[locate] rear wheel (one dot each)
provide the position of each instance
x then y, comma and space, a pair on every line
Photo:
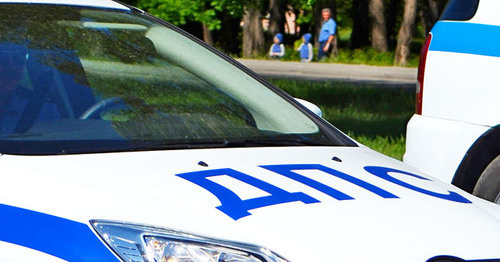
488, 185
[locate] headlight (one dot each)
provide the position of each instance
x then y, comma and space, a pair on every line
140, 243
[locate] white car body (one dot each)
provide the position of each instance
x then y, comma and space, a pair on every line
282, 203
454, 136
414, 226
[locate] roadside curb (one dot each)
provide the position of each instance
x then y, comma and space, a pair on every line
359, 75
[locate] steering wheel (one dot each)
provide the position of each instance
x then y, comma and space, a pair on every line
103, 105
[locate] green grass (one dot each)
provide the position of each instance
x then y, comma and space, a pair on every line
365, 56
376, 117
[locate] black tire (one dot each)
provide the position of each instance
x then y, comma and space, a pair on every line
488, 185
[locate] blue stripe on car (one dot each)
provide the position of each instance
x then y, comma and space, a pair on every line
465, 37
59, 237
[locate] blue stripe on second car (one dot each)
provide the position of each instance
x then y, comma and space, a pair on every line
465, 37
59, 237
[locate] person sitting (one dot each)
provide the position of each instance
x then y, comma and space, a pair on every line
306, 49
277, 49
14, 98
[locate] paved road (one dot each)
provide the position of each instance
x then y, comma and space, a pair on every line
400, 77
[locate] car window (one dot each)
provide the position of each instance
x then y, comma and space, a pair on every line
460, 10
98, 80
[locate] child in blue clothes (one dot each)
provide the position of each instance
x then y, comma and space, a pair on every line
277, 50
306, 49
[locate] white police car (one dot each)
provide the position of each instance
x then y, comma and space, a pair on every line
455, 133
125, 139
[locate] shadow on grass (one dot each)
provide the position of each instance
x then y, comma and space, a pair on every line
372, 128
374, 116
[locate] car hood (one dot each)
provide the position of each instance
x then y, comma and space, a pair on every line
304, 203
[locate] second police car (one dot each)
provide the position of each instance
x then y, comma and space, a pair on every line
126, 139
455, 133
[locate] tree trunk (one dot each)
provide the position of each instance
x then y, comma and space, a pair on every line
207, 34
429, 14
405, 33
230, 34
394, 13
434, 9
379, 29
276, 21
360, 29
253, 35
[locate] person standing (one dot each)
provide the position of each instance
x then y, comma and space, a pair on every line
327, 33
290, 23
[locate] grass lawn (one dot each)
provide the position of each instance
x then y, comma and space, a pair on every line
376, 117
366, 56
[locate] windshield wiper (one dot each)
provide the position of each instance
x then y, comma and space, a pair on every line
222, 143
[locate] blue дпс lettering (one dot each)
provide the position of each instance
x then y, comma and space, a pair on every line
236, 208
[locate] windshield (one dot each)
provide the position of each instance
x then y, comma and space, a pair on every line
79, 80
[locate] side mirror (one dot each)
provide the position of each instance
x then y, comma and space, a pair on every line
312, 107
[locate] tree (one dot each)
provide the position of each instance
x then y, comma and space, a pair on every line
179, 12
360, 27
305, 20
379, 29
393, 14
429, 13
253, 35
207, 34
405, 33
276, 21
130, 2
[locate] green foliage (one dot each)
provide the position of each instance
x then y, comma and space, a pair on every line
391, 146
343, 14
179, 12
365, 56
376, 117
369, 56
211, 12
344, 35
306, 15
